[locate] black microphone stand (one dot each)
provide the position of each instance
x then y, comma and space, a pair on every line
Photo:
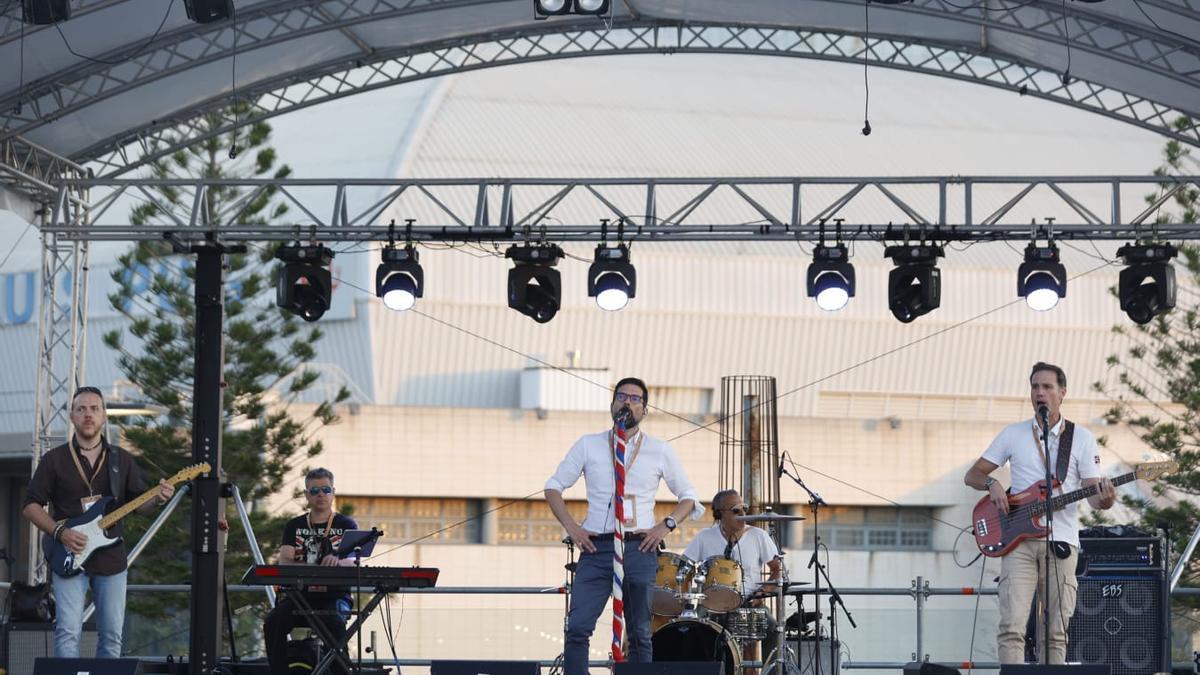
375, 534
1044, 415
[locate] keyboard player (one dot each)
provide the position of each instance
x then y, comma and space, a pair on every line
310, 539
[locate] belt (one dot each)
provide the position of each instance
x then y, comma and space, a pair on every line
629, 536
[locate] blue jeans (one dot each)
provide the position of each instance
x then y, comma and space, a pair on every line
590, 594
70, 595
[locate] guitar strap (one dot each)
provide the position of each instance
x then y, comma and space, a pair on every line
1064, 450
115, 485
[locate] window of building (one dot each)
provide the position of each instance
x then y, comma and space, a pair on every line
405, 518
874, 528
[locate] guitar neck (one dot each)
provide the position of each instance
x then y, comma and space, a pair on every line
128, 508
1083, 493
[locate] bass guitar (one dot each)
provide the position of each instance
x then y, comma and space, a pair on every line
996, 533
94, 522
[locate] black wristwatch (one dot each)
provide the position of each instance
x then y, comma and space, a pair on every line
670, 523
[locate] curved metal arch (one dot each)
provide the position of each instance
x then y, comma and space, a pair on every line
116, 156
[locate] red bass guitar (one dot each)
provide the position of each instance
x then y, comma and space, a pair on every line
996, 534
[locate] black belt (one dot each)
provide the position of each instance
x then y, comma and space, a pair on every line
631, 536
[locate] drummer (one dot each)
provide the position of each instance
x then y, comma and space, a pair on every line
751, 546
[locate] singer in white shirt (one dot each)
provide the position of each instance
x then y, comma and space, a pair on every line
1021, 573
648, 461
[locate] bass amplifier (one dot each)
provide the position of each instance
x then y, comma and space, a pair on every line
1121, 620
1119, 553
817, 658
21, 644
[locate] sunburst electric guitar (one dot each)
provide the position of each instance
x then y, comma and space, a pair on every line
94, 522
996, 534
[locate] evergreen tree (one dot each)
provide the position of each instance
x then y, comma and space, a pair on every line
263, 439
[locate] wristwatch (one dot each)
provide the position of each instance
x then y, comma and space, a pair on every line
670, 523
987, 484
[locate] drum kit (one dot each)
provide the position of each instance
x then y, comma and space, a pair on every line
700, 614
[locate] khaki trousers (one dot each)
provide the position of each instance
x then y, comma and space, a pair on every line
1021, 578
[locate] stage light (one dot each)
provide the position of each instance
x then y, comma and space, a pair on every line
45, 12
1146, 286
547, 8
915, 284
591, 6
399, 280
534, 286
304, 284
612, 280
208, 11
830, 277
1041, 279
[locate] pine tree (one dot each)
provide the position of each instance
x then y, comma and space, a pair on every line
263, 440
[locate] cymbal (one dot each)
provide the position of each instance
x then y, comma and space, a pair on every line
768, 517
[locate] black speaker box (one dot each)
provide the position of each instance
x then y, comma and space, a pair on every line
1121, 621
806, 657
49, 666
1037, 669
671, 668
208, 11
919, 668
484, 668
21, 644
45, 12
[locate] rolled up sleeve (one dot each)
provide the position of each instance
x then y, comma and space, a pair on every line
677, 480
569, 470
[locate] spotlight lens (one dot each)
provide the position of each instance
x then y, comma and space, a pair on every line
1144, 305
551, 6
1041, 292
399, 292
613, 292
590, 5
832, 292
308, 301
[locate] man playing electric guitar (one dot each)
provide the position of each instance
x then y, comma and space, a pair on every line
70, 478
1021, 571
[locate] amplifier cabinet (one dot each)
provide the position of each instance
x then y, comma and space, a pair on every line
1121, 620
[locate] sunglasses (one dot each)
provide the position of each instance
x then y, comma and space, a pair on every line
739, 510
316, 490
628, 398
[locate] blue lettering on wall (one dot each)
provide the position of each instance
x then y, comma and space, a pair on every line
12, 313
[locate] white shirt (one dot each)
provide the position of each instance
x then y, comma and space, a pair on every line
591, 457
753, 551
1016, 445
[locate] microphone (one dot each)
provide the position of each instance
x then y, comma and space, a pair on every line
781, 469
1043, 412
623, 416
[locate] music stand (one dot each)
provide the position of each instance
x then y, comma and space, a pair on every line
363, 540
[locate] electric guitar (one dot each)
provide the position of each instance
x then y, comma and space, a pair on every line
996, 534
94, 522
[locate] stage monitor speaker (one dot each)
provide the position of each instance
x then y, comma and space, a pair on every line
1121, 621
671, 668
920, 668
51, 666
45, 12
1038, 669
24, 643
806, 660
484, 668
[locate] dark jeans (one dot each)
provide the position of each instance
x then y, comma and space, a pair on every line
590, 594
281, 620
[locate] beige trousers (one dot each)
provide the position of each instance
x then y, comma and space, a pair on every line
1021, 578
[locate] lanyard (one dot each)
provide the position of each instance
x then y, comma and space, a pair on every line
82, 474
328, 525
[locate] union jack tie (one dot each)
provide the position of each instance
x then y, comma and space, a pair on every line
618, 606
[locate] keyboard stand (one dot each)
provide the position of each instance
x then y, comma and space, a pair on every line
334, 647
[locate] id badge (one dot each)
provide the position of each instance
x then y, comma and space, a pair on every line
630, 520
86, 502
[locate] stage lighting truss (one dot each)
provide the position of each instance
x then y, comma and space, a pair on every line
1041, 279
304, 285
830, 277
1146, 286
612, 280
543, 9
534, 286
399, 279
915, 284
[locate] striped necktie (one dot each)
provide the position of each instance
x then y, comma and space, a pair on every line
618, 605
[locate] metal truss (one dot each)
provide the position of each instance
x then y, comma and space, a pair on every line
33, 170
949, 208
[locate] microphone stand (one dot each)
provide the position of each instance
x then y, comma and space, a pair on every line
1044, 415
375, 534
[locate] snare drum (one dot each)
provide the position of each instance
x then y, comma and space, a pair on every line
697, 640
722, 584
664, 598
748, 623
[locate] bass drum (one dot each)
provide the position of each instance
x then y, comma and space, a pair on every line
697, 640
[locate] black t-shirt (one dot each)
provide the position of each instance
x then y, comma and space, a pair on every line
312, 542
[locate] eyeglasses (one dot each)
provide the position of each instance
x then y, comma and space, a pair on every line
628, 398
318, 489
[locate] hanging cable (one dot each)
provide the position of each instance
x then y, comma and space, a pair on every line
866, 130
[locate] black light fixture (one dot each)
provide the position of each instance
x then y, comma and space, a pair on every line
830, 277
534, 286
915, 284
45, 12
208, 11
304, 285
399, 279
543, 9
612, 280
1146, 286
1041, 279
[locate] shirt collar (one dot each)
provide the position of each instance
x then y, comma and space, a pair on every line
1054, 430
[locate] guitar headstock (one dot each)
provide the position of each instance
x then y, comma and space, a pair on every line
187, 473
1152, 470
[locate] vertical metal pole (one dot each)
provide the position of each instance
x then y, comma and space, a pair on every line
208, 558
918, 587
749, 476
254, 550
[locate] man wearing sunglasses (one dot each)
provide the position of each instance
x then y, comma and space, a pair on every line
70, 478
648, 462
310, 539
